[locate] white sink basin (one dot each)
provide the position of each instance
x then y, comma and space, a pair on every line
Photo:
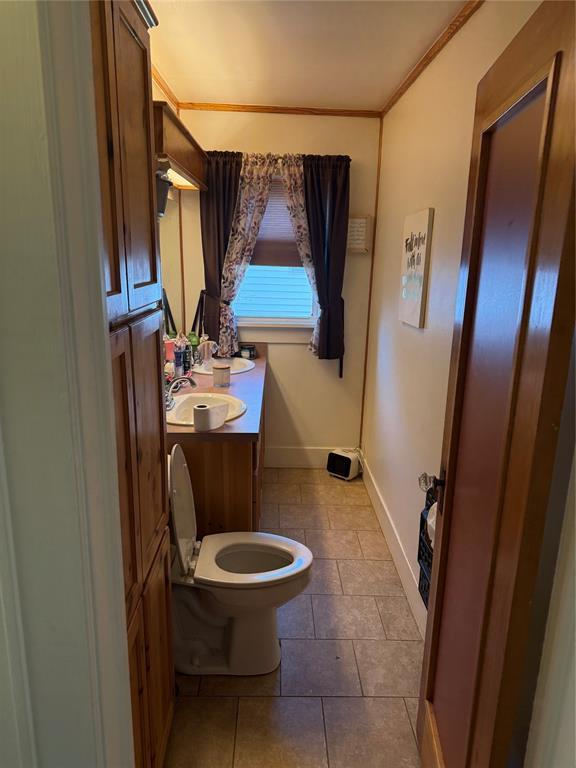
183, 412
237, 365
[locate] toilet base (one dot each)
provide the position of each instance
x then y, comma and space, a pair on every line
214, 645
254, 646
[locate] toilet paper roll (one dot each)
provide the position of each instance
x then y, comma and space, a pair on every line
431, 523
207, 417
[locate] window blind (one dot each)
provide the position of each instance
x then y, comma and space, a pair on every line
275, 245
269, 291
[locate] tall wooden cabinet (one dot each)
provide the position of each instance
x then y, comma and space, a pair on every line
123, 94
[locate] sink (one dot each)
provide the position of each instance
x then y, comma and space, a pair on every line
183, 412
237, 365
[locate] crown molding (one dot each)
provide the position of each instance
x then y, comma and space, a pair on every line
463, 15
276, 110
455, 25
164, 87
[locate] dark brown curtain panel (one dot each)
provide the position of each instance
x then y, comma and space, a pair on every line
327, 193
217, 204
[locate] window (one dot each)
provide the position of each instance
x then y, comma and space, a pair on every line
275, 286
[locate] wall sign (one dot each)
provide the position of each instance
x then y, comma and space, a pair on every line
415, 259
359, 234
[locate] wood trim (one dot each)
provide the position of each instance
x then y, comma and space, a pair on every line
371, 280
165, 88
430, 750
463, 15
277, 110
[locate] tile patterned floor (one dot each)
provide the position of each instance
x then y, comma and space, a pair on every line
346, 691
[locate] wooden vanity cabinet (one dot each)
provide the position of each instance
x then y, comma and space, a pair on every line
158, 635
139, 688
123, 101
123, 94
147, 362
137, 157
126, 451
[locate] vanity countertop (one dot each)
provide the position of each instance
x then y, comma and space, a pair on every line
249, 387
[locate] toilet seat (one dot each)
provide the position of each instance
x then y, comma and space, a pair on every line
209, 572
255, 560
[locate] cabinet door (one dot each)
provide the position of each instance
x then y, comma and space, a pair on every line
127, 468
158, 634
147, 365
138, 689
134, 99
113, 254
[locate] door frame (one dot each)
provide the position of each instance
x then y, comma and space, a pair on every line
63, 650
505, 643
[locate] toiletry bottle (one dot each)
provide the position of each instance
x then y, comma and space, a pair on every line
187, 359
178, 361
194, 341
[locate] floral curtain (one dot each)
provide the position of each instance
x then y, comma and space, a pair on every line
255, 177
292, 172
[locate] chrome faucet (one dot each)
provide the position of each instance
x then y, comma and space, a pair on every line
174, 386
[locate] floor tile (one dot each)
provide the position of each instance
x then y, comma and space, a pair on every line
280, 733
202, 733
187, 685
356, 494
269, 517
319, 668
325, 578
236, 685
290, 533
353, 518
397, 618
334, 544
281, 493
369, 577
412, 707
295, 618
270, 475
374, 545
346, 617
302, 517
304, 476
389, 667
323, 494
372, 733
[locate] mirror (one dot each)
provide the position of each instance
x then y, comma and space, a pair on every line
181, 256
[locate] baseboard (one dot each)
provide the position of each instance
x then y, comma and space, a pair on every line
296, 456
401, 560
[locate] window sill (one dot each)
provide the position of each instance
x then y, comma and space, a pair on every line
275, 330
276, 322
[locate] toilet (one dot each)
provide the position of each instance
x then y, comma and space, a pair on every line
226, 589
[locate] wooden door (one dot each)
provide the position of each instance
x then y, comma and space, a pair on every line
514, 326
147, 365
127, 466
138, 689
158, 633
134, 100
113, 255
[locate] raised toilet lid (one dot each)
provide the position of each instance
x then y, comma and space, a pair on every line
182, 505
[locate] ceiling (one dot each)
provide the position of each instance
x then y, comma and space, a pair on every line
330, 54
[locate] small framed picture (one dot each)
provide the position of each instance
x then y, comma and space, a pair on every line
415, 261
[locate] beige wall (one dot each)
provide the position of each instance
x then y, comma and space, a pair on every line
309, 409
551, 739
425, 156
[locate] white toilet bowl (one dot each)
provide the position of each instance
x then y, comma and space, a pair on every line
226, 589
